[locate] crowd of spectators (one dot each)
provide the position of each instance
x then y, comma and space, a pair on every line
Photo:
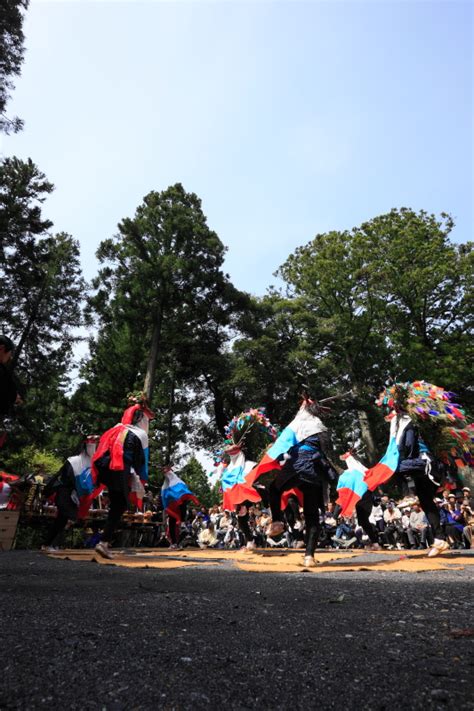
400, 525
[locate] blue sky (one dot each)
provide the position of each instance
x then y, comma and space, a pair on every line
286, 118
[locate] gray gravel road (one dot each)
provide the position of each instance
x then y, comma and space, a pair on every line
85, 636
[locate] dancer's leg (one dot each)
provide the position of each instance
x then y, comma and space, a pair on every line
58, 527
285, 480
363, 511
426, 491
172, 528
118, 506
312, 505
243, 522
67, 511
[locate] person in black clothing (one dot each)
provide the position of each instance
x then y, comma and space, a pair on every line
363, 510
9, 389
174, 527
308, 469
117, 483
120, 464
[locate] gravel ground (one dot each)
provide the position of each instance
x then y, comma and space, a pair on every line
86, 636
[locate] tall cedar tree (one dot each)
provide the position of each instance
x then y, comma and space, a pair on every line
40, 300
11, 56
163, 308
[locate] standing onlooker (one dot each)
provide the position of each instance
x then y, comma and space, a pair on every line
9, 394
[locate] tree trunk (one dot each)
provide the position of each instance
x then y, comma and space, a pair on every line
169, 427
153, 355
220, 416
29, 324
365, 428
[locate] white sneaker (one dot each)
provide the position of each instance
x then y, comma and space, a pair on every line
49, 549
103, 549
309, 562
439, 546
251, 546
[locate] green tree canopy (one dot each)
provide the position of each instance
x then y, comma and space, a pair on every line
40, 299
391, 298
11, 56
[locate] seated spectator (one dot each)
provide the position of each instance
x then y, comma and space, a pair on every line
262, 522
207, 538
377, 514
265, 519
443, 512
467, 499
455, 523
214, 514
204, 514
199, 523
344, 533
330, 522
445, 495
225, 523
405, 525
393, 526
418, 530
232, 538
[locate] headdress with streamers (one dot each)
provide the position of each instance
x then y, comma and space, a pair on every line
250, 431
136, 401
441, 421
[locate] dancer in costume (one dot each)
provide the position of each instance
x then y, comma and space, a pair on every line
67, 486
247, 436
364, 505
120, 464
425, 426
298, 456
175, 496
